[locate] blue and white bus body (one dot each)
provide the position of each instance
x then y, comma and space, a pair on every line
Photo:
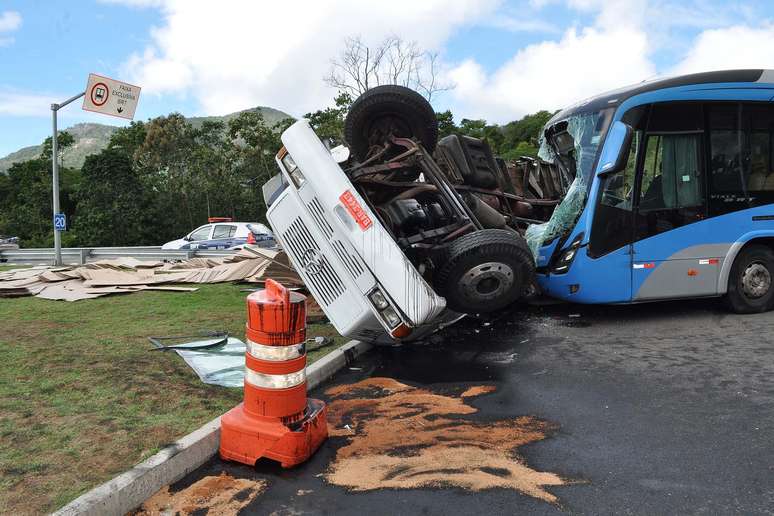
690, 261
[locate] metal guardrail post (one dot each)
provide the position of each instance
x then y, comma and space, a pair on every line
84, 256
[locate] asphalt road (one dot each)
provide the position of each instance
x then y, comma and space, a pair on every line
660, 408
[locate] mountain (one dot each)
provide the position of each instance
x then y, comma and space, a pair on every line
271, 115
91, 138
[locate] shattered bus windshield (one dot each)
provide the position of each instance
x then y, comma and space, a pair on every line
571, 144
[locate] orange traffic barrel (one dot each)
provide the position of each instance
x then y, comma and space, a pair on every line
276, 420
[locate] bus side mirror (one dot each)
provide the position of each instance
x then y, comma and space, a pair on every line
615, 154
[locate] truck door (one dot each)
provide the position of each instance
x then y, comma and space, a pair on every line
671, 255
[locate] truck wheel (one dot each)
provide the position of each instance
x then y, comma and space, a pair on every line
485, 271
389, 110
750, 280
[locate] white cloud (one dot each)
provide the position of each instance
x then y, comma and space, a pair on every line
14, 103
233, 55
730, 48
617, 49
10, 21
553, 74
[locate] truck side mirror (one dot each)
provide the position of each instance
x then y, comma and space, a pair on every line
615, 153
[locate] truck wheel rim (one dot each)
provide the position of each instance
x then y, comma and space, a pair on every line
487, 281
756, 280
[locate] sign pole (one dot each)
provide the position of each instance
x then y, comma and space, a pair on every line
102, 95
55, 176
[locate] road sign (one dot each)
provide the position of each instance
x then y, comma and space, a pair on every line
110, 97
60, 222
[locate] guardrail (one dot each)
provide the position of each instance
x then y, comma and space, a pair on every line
81, 255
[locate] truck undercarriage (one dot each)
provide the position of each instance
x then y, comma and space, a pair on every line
456, 211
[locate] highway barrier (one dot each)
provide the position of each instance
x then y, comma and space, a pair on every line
81, 255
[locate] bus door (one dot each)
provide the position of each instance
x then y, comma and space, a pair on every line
612, 227
670, 257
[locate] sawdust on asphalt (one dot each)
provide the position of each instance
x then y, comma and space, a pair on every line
405, 437
221, 494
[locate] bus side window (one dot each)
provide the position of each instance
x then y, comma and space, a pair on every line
672, 186
729, 177
741, 164
671, 177
759, 119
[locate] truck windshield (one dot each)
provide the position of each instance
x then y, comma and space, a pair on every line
572, 144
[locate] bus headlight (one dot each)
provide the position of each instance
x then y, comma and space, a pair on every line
562, 265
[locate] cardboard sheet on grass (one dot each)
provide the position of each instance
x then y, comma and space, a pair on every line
125, 275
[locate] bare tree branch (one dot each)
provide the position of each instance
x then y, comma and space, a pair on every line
360, 67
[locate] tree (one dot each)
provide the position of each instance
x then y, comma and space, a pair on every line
164, 157
209, 170
114, 206
254, 146
64, 141
328, 123
446, 124
527, 129
474, 128
128, 139
26, 203
360, 67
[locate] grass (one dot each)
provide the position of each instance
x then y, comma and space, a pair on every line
10, 267
83, 398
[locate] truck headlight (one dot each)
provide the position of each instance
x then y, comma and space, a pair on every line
378, 299
387, 313
293, 171
391, 317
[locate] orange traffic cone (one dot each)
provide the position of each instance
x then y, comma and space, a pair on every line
276, 420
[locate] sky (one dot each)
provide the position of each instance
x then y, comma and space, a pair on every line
505, 58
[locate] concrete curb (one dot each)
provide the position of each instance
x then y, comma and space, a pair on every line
131, 488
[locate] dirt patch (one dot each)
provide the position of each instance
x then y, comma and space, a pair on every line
222, 494
406, 437
478, 390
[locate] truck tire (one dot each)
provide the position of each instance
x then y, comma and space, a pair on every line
485, 271
386, 110
750, 282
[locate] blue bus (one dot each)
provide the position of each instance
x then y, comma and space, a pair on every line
673, 195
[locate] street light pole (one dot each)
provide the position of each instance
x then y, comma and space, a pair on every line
55, 176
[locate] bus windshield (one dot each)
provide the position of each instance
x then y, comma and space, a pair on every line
572, 144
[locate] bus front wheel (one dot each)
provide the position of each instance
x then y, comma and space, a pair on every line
751, 280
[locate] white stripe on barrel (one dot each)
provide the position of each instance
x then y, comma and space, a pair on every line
275, 353
275, 381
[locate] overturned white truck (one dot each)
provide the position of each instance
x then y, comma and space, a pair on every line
398, 234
